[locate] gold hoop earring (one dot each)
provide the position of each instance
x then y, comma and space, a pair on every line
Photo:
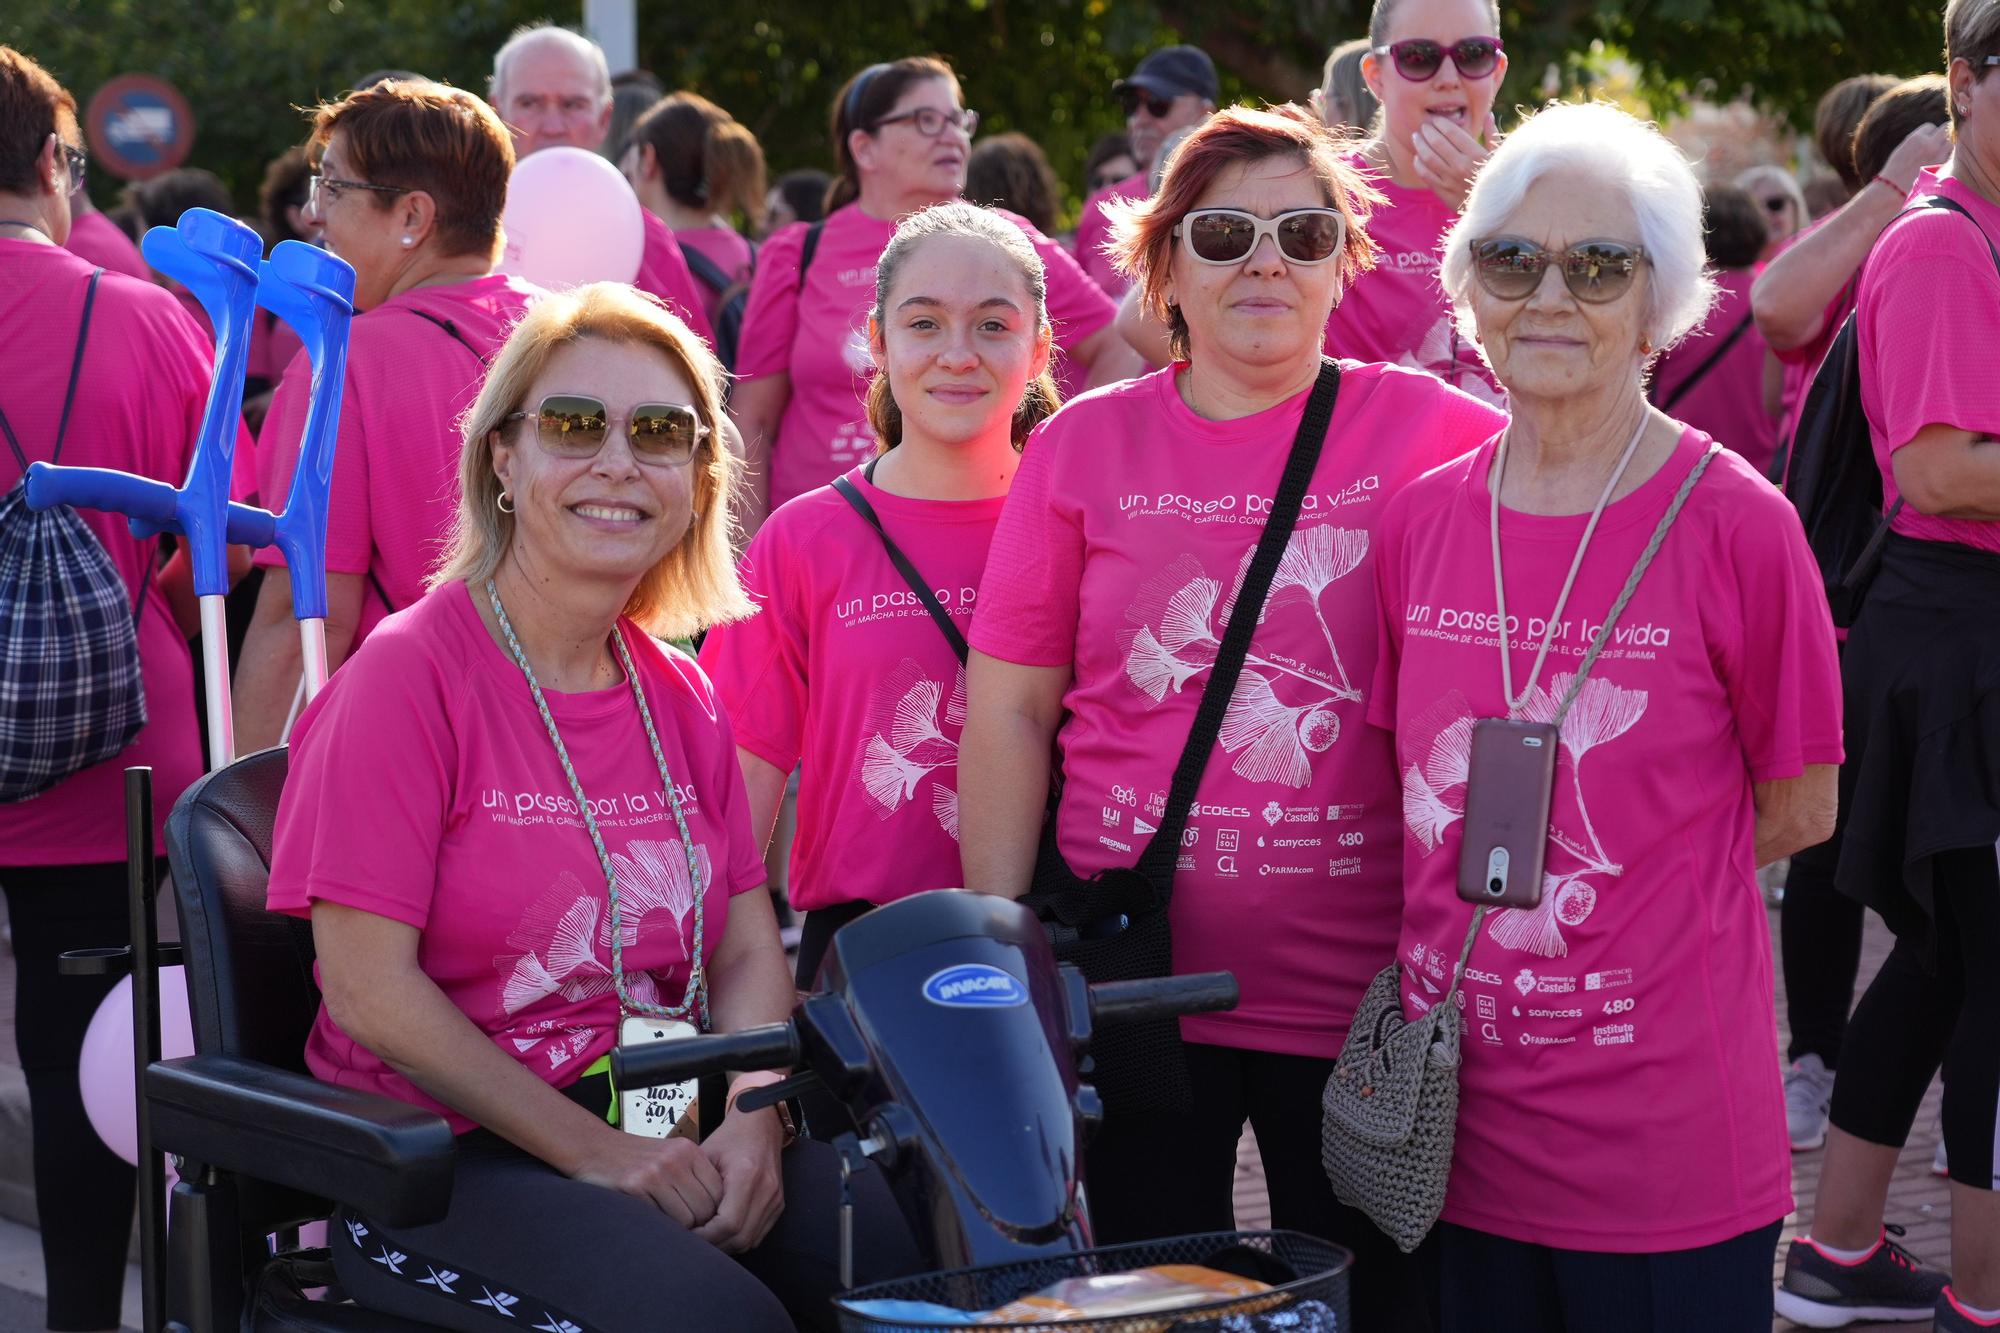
504, 503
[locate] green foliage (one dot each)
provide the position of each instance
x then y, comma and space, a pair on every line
1041, 66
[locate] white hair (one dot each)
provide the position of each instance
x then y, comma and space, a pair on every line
535, 34
1616, 150
1755, 179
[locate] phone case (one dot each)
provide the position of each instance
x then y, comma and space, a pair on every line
1509, 787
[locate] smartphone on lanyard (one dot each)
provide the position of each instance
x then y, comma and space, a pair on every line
654, 1112
1510, 787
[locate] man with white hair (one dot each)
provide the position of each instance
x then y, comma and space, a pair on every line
552, 87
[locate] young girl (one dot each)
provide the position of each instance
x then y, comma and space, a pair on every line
848, 666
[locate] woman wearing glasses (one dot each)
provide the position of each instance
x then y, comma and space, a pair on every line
558, 860
410, 183
903, 138
1435, 67
1621, 1158
845, 665
1110, 583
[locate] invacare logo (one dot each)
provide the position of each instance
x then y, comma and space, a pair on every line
975, 986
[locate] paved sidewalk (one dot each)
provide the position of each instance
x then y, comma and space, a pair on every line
1918, 1200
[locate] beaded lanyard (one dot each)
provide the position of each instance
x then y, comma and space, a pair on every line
695, 1001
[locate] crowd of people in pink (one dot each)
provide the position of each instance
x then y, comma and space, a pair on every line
874, 538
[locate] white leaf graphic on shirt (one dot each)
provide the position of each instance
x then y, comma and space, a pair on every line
564, 939
912, 738
1433, 800
1173, 634
1314, 560
1269, 738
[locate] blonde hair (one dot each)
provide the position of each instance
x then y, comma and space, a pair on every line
694, 585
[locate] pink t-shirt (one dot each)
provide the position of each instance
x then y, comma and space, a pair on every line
1930, 293
1620, 1086
1397, 312
1093, 232
727, 250
819, 337
272, 347
1127, 529
1802, 363
1727, 402
663, 271
97, 240
429, 742
844, 669
138, 408
395, 471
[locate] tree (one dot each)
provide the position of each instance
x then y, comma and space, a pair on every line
1041, 66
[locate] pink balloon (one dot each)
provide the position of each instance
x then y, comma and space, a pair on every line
104, 1070
571, 219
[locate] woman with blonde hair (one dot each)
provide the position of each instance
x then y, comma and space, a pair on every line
559, 861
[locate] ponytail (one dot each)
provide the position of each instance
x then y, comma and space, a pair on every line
732, 171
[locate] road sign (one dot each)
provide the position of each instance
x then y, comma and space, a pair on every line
139, 126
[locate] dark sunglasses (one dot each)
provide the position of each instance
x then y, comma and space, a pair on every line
79, 166
574, 425
1229, 235
1511, 267
1777, 204
1156, 106
1420, 58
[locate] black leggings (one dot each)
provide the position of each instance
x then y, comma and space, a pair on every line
525, 1247
83, 1191
1489, 1284
1819, 932
1913, 1020
1152, 1177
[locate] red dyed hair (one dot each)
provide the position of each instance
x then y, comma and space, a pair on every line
32, 107
1143, 230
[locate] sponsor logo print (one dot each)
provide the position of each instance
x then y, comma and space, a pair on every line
1222, 811
1620, 976
1185, 861
975, 986
1490, 1034
1112, 816
1525, 983
1613, 1034
1225, 866
1273, 813
1555, 1013
1227, 840
1291, 842
1190, 837
1343, 865
1484, 978
1530, 1039
1337, 813
1487, 1006
1114, 844
1140, 826
1284, 870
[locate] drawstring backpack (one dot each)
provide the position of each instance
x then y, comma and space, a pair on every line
70, 690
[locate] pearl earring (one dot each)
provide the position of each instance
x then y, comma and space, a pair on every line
408, 242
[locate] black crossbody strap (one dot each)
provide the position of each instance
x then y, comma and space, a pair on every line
1708, 363
1157, 862
69, 394
452, 329
852, 494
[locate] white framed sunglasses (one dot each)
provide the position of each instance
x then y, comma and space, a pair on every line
1231, 235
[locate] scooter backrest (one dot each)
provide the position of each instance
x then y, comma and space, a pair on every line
961, 1005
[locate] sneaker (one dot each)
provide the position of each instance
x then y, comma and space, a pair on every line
1889, 1285
1808, 1090
1951, 1317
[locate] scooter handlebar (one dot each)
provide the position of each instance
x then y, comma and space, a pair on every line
1162, 997
678, 1061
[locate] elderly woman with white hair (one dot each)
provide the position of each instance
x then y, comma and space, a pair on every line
1610, 671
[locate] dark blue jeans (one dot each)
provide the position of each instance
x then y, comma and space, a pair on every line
1490, 1284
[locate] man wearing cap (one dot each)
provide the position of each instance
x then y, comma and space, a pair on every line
552, 88
1172, 89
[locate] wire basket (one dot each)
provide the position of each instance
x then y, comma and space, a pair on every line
1313, 1299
